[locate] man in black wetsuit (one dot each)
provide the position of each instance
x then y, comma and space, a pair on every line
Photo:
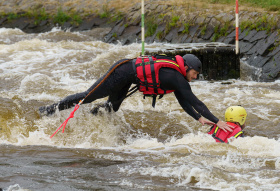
118, 79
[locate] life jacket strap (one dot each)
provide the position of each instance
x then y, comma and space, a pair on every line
153, 74
154, 101
132, 91
238, 134
144, 74
215, 137
154, 98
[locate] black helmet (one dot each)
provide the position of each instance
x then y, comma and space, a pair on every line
192, 62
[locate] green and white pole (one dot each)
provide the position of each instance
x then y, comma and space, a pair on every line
237, 27
143, 28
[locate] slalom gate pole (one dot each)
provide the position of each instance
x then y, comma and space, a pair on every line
143, 27
237, 28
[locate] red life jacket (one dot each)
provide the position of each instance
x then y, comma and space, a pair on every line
222, 136
147, 69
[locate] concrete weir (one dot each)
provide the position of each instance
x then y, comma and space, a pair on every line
219, 60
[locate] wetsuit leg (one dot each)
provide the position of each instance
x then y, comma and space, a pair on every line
115, 100
118, 81
72, 100
105, 105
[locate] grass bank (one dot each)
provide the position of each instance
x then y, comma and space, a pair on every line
269, 5
86, 7
115, 10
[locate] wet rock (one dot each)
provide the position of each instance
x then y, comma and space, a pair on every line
255, 49
172, 34
225, 17
112, 40
153, 6
258, 61
263, 47
250, 35
274, 51
130, 34
269, 43
221, 39
99, 21
135, 19
44, 22
184, 38
159, 34
192, 30
131, 39
131, 30
226, 83
66, 25
214, 22
181, 29
246, 46
230, 39
209, 32
243, 34
114, 34
3, 20
87, 25
21, 23
32, 26
259, 35
271, 70
188, 40
149, 39
199, 20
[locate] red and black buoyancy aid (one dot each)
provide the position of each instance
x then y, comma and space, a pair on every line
222, 136
147, 69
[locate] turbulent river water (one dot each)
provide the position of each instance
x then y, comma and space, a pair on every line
137, 148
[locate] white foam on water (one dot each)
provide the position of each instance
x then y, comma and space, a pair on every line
45, 69
15, 187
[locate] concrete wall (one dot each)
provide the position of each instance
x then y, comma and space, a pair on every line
219, 60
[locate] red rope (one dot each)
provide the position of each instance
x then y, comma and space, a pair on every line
66, 121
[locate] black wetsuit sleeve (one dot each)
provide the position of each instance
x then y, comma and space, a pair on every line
171, 79
186, 106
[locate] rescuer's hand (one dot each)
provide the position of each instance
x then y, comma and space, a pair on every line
224, 126
205, 121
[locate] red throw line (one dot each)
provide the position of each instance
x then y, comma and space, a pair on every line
66, 121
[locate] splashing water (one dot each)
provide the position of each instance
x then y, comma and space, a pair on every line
138, 147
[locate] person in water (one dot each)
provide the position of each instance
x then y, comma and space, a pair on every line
234, 116
153, 75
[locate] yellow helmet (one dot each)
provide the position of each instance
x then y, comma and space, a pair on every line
236, 114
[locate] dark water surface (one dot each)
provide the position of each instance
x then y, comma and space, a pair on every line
136, 148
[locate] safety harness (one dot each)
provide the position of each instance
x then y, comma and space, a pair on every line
222, 136
147, 70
